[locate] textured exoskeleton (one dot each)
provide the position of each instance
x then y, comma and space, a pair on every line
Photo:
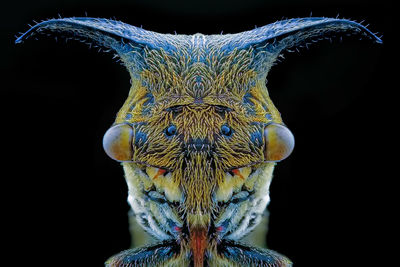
198, 135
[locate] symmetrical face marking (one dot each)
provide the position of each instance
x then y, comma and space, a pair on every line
198, 135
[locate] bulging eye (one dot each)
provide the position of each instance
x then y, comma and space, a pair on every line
117, 142
279, 142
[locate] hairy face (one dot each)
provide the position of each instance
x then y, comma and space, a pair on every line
198, 147
197, 165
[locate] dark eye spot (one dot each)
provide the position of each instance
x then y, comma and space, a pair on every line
226, 130
171, 130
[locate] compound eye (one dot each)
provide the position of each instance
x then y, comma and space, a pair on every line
279, 142
117, 142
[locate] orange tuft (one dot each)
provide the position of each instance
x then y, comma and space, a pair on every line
160, 172
237, 172
198, 244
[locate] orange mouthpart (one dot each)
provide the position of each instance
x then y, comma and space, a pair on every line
198, 244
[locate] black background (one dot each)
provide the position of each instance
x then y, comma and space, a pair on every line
64, 201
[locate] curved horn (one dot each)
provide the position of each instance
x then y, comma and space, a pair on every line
120, 37
276, 37
289, 33
107, 33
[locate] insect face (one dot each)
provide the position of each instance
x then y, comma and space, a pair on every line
201, 159
198, 135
